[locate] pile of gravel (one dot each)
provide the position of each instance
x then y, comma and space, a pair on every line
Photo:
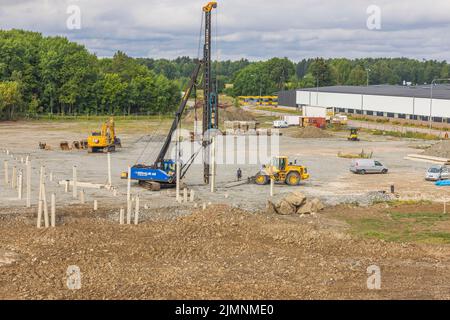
309, 133
440, 149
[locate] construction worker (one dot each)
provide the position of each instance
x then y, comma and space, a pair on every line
239, 174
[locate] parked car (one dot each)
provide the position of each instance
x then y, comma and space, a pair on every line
363, 166
437, 173
280, 124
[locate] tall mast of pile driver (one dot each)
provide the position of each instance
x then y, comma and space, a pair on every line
210, 106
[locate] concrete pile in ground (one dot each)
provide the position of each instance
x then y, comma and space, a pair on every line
295, 203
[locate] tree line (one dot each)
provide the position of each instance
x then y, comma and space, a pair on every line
51, 75
268, 77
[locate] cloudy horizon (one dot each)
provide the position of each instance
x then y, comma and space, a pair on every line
255, 29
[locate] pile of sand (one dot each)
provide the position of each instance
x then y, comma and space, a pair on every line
440, 149
227, 113
308, 133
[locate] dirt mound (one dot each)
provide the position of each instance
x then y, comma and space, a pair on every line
228, 113
308, 133
221, 253
441, 149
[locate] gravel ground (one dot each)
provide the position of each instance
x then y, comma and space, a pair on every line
220, 253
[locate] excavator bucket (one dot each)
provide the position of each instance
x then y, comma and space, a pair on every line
64, 146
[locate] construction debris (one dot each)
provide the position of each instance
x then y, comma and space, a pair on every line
64, 145
295, 203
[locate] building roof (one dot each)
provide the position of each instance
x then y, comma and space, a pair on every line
422, 91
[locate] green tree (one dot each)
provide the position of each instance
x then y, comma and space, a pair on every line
322, 72
10, 97
357, 77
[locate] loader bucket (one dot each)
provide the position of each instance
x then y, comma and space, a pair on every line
84, 144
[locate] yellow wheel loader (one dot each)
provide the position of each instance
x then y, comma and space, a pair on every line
104, 140
282, 171
353, 135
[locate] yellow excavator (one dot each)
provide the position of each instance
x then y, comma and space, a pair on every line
104, 140
282, 171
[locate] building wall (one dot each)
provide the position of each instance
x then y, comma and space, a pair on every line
287, 98
387, 106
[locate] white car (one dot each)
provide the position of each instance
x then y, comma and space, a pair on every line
280, 124
437, 173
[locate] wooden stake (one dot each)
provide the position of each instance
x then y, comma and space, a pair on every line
51, 177
272, 184
136, 213
74, 178
39, 217
41, 181
82, 201
109, 170
129, 196
121, 216
44, 199
28, 164
20, 185
14, 178
185, 195
213, 165
53, 210
192, 195
6, 172
95, 205
66, 186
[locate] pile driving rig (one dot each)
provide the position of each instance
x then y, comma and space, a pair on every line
162, 174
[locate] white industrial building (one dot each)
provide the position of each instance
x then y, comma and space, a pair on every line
401, 102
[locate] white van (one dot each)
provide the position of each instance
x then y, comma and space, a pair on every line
280, 124
363, 166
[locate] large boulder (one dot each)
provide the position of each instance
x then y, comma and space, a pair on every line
285, 208
311, 206
296, 199
271, 207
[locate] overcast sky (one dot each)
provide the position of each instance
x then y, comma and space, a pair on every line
253, 29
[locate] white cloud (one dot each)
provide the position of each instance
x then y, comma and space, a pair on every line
253, 29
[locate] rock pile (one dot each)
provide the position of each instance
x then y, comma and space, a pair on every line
295, 203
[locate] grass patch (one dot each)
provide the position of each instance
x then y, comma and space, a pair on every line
361, 155
395, 226
407, 135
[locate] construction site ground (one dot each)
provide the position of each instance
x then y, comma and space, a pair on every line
233, 249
